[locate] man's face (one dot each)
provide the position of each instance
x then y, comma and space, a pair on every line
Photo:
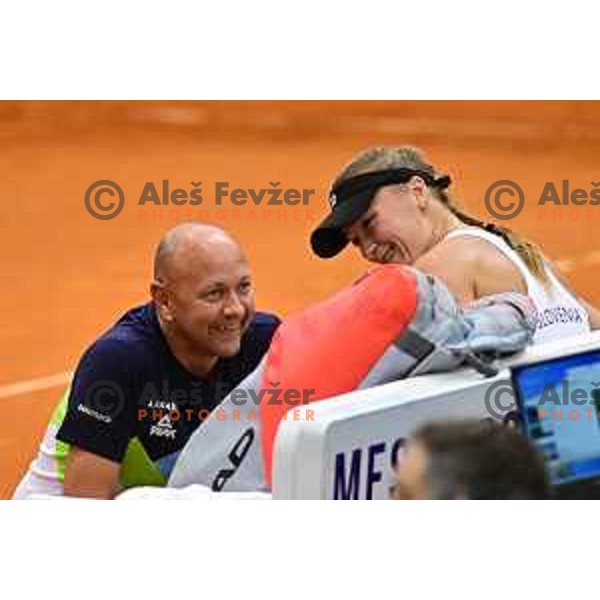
213, 305
394, 229
411, 474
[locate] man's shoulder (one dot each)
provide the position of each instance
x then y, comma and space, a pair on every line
265, 320
261, 329
255, 343
133, 337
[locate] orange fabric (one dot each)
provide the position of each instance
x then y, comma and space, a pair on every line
328, 349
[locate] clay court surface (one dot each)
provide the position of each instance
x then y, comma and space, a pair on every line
68, 276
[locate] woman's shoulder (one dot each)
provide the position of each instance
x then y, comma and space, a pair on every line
453, 262
453, 253
472, 267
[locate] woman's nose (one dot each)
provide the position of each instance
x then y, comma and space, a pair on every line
367, 246
363, 242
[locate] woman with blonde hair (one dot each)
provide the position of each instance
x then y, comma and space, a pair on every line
394, 206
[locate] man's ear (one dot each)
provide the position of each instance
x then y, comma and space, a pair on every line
162, 300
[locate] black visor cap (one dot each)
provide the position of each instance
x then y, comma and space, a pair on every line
351, 199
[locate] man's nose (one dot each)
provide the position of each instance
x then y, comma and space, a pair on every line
234, 307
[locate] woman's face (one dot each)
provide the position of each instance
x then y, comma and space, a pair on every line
396, 228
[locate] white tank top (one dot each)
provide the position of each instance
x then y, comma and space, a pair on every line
560, 315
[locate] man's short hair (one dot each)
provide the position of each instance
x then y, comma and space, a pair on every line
481, 460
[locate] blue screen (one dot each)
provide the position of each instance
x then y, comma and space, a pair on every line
559, 405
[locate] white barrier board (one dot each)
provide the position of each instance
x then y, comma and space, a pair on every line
347, 449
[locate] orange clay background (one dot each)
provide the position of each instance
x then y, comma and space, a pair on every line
67, 276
